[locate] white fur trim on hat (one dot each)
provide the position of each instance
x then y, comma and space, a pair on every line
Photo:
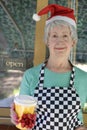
36, 17
67, 19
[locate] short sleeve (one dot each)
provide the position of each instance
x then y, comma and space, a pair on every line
30, 81
25, 88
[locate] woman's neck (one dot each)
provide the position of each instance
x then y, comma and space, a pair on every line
59, 65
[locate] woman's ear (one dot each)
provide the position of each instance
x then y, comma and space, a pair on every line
47, 43
74, 43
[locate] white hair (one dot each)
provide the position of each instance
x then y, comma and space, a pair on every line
56, 23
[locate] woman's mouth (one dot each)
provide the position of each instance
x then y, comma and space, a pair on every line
59, 48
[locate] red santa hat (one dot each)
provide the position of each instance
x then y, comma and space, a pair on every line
57, 12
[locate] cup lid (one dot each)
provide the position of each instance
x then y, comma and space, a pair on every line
25, 100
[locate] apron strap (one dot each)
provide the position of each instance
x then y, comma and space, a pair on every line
72, 77
41, 76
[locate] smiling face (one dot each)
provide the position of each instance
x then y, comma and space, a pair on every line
60, 41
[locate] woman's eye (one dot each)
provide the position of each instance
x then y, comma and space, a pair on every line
54, 36
65, 36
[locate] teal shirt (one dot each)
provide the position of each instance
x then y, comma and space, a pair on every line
31, 77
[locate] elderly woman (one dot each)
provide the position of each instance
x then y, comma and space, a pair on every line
57, 84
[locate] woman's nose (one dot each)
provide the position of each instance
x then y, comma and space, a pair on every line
60, 39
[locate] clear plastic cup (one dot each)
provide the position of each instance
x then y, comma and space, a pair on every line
24, 104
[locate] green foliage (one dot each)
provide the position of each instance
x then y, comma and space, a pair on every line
84, 109
16, 91
21, 12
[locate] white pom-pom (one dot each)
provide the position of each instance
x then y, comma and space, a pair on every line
36, 17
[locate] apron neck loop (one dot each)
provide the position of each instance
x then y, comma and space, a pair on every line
41, 75
72, 77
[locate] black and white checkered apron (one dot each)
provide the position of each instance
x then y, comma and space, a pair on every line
58, 107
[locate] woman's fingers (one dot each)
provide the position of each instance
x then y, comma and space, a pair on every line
81, 128
13, 114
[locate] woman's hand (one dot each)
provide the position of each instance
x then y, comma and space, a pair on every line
14, 117
81, 128
13, 114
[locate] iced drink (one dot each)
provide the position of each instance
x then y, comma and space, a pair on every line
24, 105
